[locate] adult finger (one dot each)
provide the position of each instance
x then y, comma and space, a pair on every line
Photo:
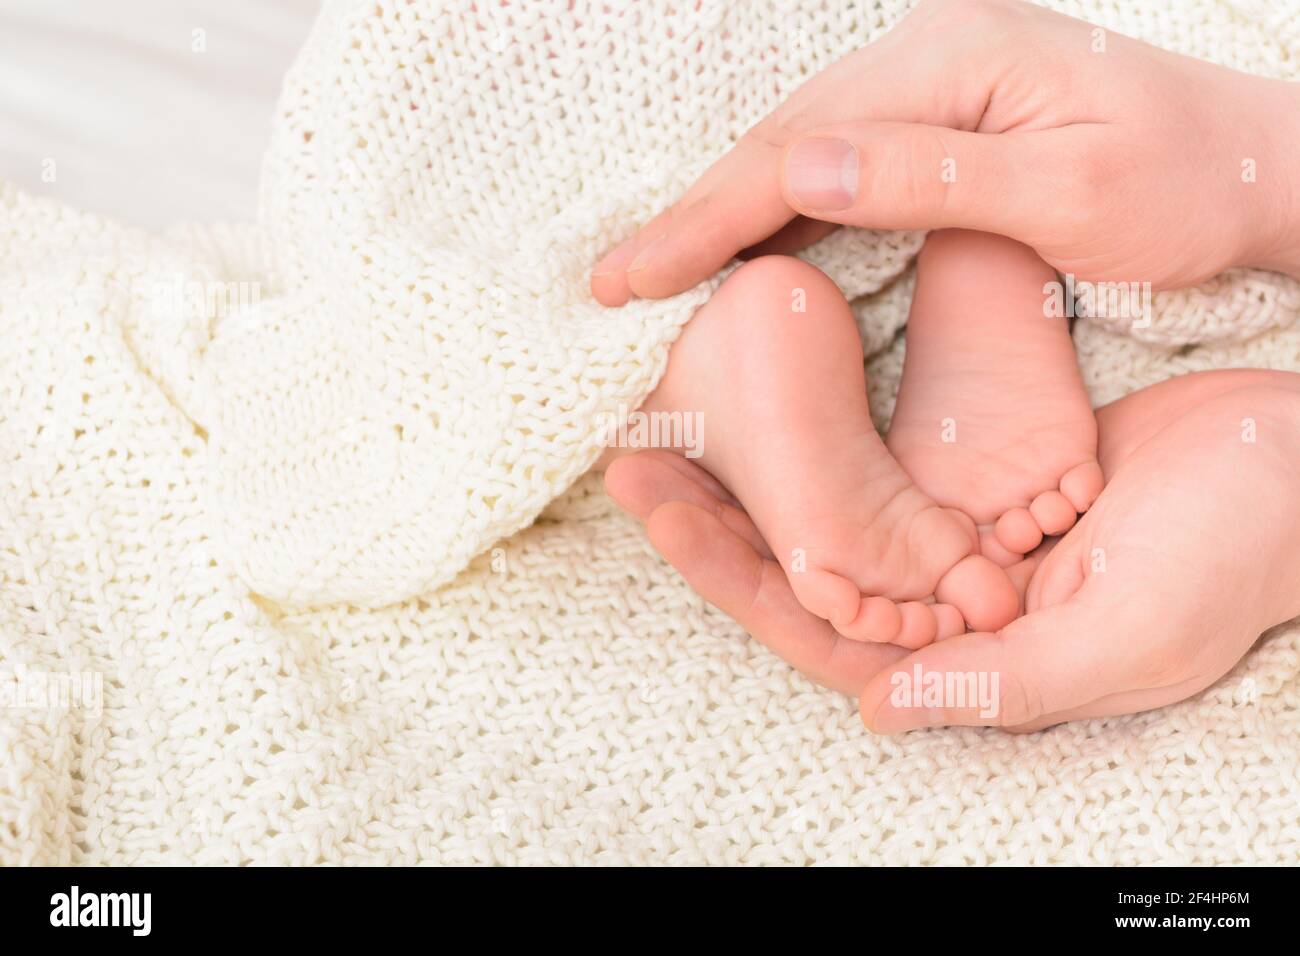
1047, 662
643, 481
728, 573
933, 67
701, 232
915, 176
1116, 705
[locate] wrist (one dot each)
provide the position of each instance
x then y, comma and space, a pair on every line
1275, 229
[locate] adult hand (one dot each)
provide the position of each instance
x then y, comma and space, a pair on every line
702, 532
1185, 558
1114, 160
1183, 561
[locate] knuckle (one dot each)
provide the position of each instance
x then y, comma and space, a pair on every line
771, 132
1087, 179
1091, 173
1018, 702
910, 180
674, 213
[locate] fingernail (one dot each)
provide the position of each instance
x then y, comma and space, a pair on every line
822, 173
616, 261
647, 255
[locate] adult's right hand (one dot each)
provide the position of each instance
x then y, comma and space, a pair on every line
1113, 159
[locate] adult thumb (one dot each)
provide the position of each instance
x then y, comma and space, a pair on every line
913, 176
1046, 662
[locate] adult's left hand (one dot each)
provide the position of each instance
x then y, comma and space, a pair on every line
703, 533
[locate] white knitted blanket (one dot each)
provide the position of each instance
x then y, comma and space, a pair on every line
309, 570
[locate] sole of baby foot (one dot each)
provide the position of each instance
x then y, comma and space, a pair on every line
928, 555
773, 364
992, 414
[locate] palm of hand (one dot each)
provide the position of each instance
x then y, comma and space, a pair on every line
1184, 559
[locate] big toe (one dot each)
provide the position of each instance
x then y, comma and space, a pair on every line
948, 620
981, 591
830, 596
877, 619
919, 625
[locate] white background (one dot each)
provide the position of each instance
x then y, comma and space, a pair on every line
141, 127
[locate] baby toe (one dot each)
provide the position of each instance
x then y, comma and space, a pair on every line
1018, 531
991, 546
919, 625
1053, 512
828, 595
981, 591
948, 621
878, 620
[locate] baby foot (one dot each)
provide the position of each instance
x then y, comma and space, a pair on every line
1184, 559
773, 365
992, 415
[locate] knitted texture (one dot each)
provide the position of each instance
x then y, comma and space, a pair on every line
324, 548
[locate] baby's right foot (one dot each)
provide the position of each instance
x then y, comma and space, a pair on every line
992, 415
773, 363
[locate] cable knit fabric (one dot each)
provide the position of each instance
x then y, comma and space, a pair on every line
312, 570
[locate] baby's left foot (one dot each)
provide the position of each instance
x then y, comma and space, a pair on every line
772, 370
992, 416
